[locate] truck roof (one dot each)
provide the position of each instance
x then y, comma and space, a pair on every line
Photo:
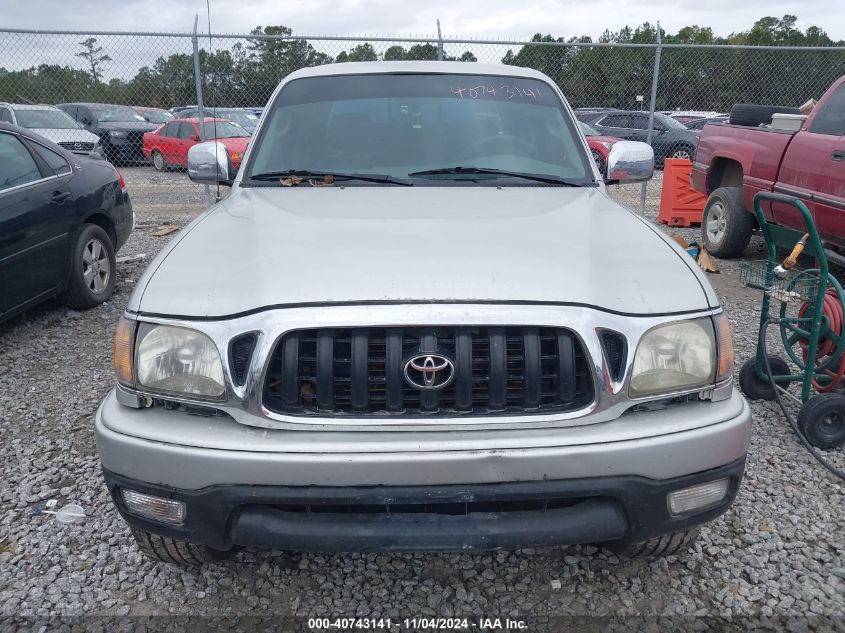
464, 68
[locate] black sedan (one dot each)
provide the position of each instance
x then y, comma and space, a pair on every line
62, 219
669, 138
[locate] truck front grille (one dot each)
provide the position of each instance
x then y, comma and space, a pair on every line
361, 372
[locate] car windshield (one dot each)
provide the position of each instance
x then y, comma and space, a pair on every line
45, 119
668, 122
116, 114
222, 129
155, 116
588, 130
398, 125
246, 120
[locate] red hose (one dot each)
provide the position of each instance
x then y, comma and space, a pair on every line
831, 308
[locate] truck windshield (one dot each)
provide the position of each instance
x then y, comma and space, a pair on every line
421, 126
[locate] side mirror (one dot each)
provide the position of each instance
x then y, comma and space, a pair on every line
629, 161
209, 162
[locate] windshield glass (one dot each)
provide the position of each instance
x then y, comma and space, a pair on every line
222, 129
669, 122
588, 130
46, 119
246, 120
399, 124
155, 116
112, 114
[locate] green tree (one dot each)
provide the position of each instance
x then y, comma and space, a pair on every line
361, 53
95, 57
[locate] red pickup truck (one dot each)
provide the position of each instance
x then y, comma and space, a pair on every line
733, 162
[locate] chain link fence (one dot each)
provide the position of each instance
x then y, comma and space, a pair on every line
113, 87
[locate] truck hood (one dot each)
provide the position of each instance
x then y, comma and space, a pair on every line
267, 247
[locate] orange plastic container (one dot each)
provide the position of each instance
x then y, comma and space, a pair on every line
680, 204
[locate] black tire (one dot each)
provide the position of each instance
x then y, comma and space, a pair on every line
725, 225
158, 161
84, 291
599, 162
664, 545
822, 420
170, 550
754, 115
756, 388
682, 150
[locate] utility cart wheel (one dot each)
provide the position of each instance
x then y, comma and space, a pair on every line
822, 420
757, 388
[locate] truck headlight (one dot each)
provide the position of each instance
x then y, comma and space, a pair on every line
178, 361
674, 357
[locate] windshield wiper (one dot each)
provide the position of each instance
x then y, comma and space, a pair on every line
460, 170
306, 173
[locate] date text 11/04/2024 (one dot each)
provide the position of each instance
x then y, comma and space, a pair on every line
416, 624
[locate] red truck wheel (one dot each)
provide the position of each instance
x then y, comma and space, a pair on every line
726, 227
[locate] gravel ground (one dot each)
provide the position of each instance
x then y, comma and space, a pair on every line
777, 553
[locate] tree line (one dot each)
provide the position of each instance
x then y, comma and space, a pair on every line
690, 78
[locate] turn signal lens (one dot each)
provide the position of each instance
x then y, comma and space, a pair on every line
123, 341
699, 497
235, 156
725, 343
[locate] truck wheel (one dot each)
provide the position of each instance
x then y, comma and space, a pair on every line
170, 550
754, 115
822, 420
725, 226
664, 545
92, 268
757, 388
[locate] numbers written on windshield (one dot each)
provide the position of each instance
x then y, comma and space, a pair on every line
504, 92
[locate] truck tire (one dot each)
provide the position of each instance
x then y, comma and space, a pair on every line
664, 545
170, 550
754, 115
725, 226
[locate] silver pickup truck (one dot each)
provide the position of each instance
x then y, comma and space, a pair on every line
419, 323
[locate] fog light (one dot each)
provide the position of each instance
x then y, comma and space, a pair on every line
697, 497
155, 508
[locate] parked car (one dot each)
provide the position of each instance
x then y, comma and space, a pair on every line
599, 145
120, 128
698, 124
154, 115
52, 124
242, 116
734, 162
62, 219
670, 139
168, 146
415, 323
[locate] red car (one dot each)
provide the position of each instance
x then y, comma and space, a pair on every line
599, 145
168, 146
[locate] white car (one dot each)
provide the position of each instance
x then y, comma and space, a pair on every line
52, 124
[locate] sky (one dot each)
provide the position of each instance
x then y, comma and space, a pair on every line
459, 18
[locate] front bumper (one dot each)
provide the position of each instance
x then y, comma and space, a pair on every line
614, 510
242, 485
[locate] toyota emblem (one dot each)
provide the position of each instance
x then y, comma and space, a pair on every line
428, 371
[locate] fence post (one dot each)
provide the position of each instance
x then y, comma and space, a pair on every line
439, 43
654, 79
198, 79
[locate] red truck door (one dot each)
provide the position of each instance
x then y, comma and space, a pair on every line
813, 169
